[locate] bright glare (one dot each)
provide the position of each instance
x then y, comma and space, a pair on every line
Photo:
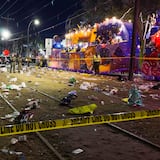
6, 34
129, 20
36, 22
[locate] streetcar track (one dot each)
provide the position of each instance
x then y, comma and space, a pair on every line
130, 134
39, 135
45, 94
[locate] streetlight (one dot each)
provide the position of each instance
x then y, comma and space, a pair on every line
5, 34
36, 22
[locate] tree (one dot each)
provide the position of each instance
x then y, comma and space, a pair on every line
99, 10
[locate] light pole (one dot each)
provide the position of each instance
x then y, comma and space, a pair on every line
36, 22
5, 34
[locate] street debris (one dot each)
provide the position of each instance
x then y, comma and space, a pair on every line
77, 151
66, 101
87, 85
134, 98
83, 109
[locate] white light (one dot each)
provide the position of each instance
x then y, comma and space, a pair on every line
129, 20
6, 34
36, 22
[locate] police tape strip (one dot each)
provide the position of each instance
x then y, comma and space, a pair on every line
76, 122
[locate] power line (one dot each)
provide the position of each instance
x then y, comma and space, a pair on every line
61, 13
4, 4
44, 6
56, 25
7, 18
9, 7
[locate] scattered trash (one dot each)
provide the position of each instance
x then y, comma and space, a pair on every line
155, 96
83, 109
14, 141
87, 85
23, 117
23, 85
9, 116
73, 94
3, 86
4, 150
5, 93
38, 76
66, 101
110, 92
113, 91
3, 69
72, 80
134, 98
122, 78
145, 87
106, 93
77, 151
13, 79
18, 95
22, 138
33, 104
36, 84
92, 97
14, 87
125, 100
157, 86
102, 102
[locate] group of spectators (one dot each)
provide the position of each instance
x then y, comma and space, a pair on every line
15, 60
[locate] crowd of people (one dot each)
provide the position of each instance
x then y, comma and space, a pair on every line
16, 62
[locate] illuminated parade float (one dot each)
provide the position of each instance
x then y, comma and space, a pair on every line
112, 39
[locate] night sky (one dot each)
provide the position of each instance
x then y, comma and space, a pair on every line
16, 15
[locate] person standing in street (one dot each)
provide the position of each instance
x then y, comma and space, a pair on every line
96, 62
19, 61
13, 64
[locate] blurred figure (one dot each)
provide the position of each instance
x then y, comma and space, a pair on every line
96, 62
19, 61
13, 64
28, 61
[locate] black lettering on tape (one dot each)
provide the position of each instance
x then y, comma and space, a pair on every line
19, 128
107, 118
6, 129
30, 126
47, 124
88, 120
80, 120
128, 115
153, 112
115, 117
97, 119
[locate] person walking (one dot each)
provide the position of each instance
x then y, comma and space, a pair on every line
13, 64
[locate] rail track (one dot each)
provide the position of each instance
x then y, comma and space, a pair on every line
113, 126
47, 137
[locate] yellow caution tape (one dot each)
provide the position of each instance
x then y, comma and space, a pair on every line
76, 122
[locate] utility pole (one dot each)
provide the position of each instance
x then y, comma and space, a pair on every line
134, 37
